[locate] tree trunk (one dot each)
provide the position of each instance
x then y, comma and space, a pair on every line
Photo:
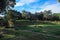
10, 23
10, 20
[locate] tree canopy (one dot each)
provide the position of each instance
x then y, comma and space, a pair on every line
4, 3
59, 0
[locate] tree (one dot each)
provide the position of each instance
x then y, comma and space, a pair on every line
2, 5
55, 17
28, 15
12, 3
24, 14
15, 14
11, 21
58, 0
6, 4
47, 14
39, 16
58, 15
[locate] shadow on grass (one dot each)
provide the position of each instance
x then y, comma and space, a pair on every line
26, 32
25, 23
33, 33
47, 27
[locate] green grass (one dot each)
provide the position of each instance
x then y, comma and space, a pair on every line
33, 33
32, 30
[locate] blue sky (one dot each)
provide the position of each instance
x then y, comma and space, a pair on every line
37, 5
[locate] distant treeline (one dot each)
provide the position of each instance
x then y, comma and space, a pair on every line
45, 15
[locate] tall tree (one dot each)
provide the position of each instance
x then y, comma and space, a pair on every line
6, 4
11, 21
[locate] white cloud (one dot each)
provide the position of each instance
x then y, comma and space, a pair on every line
54, 7
23, 2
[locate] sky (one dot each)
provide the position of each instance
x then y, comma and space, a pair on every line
37, 5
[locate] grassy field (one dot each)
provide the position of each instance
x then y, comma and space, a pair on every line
32, 30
